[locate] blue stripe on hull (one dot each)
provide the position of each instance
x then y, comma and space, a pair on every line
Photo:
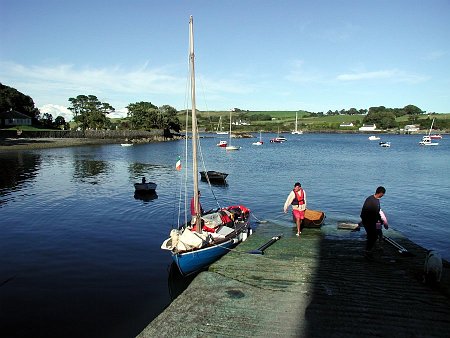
193, 261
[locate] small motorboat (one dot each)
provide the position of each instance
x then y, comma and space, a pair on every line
222, 144
374, 138
427, 139
385, 144
278, 140
145, 186
213, 176
126, 144
232, 148
436, 137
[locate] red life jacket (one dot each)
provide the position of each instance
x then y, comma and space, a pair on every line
299, 197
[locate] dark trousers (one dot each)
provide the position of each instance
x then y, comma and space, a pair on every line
372, 235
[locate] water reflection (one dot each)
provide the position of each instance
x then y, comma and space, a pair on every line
145, 196
177, 282
16, 169
137, 170
87, 170
219, 184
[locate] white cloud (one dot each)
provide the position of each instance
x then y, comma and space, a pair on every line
393, 75
434, 55
119, 113
56, 110
297, 73
55, 84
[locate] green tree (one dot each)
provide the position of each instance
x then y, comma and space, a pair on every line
381, 118
47, 120
11, 98
142, 115
412, 110
60, 122
169, 118
89, 112
145, 116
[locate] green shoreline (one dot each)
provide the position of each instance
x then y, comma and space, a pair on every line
43, 143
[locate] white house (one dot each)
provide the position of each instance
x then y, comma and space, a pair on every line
411, 128
343, 124
368, 127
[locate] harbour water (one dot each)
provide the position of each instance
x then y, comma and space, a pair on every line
80, 253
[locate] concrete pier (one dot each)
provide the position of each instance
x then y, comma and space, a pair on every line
318, 285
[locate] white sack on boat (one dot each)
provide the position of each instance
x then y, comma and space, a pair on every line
213, 220
190, 239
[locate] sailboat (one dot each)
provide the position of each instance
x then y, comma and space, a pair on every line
199, 243
296, 131
427, 140
229, 146
260, 142
220, 128
278, 139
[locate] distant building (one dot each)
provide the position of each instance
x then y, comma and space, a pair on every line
13, 118
368, 127
344, 125
411, 128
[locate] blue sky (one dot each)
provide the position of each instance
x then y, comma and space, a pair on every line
254, 54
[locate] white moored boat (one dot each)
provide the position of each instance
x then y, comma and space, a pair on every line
427, 139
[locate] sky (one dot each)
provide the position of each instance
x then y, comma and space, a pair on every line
250, 54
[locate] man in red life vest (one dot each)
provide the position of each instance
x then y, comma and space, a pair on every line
297, 199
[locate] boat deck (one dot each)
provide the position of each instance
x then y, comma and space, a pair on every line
318, 285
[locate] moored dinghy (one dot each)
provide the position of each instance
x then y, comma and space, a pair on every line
213, 176
145, 186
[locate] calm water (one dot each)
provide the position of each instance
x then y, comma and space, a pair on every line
80, 256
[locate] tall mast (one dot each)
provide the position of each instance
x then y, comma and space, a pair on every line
429, 133
230, 130
295, 121
194, 126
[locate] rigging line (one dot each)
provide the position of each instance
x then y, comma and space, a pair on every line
183, 187
257, 219
199, 78
204, 100
186, 138
207, 177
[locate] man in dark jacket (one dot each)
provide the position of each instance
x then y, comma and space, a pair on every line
370, 215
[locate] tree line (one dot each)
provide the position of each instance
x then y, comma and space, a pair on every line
90, 113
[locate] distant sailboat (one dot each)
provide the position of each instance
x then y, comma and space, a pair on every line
260, 142
296, 131
278, 139
229, 146
220, 128
427, 140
